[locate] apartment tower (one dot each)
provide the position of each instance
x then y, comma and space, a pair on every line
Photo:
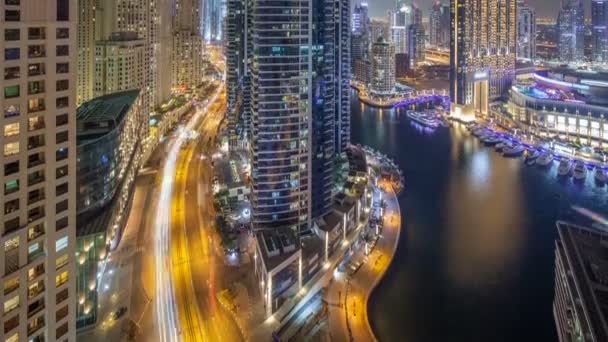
300, 57
39, 158
482, 53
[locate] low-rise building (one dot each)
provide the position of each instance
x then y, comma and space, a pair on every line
282, 270
110, 130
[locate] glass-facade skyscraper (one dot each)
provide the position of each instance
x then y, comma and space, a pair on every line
299, 107
599, 27
482, 53
571, 31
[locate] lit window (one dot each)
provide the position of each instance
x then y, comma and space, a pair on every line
61, 261
34, 248
11, 285
61, 244
13, 338
61, 278
11, 148
11, 110
11, 129
11, 244
11, 304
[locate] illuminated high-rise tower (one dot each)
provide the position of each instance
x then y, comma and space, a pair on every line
299, 96
599, 34
482, 53
187, 45
526, 31
571, 31
37, 266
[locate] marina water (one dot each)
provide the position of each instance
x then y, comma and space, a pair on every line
476, 256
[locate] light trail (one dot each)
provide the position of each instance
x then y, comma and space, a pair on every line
166, 310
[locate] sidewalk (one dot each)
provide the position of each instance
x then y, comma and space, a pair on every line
347, 296
112, 292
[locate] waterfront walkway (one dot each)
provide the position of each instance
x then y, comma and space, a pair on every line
347, 296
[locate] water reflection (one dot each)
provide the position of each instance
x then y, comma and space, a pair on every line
475, 260
484, 231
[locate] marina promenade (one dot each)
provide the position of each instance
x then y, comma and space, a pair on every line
347, 295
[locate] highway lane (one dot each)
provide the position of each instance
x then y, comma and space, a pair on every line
208, 268
170, 256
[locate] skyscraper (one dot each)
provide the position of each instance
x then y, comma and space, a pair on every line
599, 26
439, 24
37, 266
415, 37
142, 21
383, 66
187, 45
400, 20
571, 31
294, 109
213, 17
342, 72
238, 50
482, 53
526, 31
360, 19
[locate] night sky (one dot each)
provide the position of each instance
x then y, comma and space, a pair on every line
544, 8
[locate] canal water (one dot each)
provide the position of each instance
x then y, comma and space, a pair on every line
476, 255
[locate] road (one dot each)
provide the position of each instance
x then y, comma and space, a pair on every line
188, 268
347, 296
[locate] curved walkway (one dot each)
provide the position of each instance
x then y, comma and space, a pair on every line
347, 296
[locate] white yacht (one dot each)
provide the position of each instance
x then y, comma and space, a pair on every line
545, 159
565, 167
513, 151
580, 171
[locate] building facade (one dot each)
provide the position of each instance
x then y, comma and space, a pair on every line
111, 129
360, 19
563, 103
238, 47
599, 34
439, 25
100, 21
213, 18
39, 158
581, 279
187, 50
120, 64
482, 54
383, 67
571, 31
301, 57
526, 31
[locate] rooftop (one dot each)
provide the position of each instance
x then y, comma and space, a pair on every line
102, 114
329, 222
276, 246
587, 251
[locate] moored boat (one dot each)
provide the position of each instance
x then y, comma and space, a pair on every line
513, 151
564, 168
545, 159
423, 119
580, 171
502, 145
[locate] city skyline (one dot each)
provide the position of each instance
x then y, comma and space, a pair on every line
252, 170
544, 8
